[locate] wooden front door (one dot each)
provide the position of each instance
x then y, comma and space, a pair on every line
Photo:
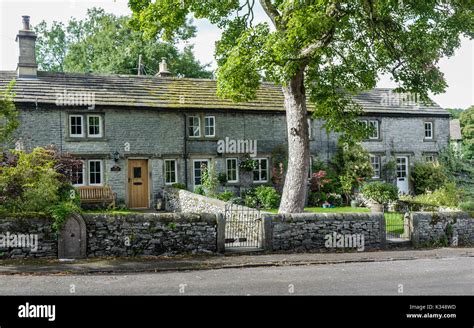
138, 183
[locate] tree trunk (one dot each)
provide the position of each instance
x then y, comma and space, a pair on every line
294, 190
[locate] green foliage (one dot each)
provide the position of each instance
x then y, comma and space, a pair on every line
199, 190
178, 185
459, 170
427, 177
31, 184
8, 113
222, 178
455, 112
467, 205
380, 192
209, 179
353, 167
61, 212
316, 198
446, 196
267, 197
389, 172
466, 119
247, 163
339, 45
226, 195
104, 43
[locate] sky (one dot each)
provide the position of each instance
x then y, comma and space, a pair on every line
458, 70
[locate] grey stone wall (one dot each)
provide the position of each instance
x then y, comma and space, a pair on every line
150, 234
121, 235
309, 231
442, 229
45, 238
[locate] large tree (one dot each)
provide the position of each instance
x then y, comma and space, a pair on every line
105, 43
467, 129
324, 49
8, 114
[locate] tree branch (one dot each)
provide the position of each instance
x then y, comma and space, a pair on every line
271, 11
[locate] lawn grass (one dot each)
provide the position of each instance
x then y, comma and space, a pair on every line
343, 209
394, 222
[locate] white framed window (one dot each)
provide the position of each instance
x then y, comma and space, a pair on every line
76, 126
374, 125
428, 130
198, 168
171, 170
78, 175
260, 174
209, 126
375, 162
94, 126
232, 170
96, 172
194, 126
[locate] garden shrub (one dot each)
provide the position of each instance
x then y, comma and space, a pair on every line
199, 190
178, 185
226, 195
427, 177
446, 196
267, 197
316, 198
380, 192
262, 197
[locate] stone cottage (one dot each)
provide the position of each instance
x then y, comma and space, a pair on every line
138, 134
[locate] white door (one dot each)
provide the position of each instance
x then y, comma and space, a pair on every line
402, 175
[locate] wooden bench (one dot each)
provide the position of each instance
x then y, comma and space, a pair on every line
96, 195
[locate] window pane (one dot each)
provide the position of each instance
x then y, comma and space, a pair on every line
209, 126
95, 172
77, 175
170, 172
194, 128
232, 169
76, 125
94, 125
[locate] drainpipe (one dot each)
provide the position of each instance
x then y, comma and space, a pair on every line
185, 153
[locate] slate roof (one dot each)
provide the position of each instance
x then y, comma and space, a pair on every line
455, 129
176, 93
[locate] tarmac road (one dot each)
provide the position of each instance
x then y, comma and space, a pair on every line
442, 276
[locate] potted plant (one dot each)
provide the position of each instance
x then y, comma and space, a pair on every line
380, 194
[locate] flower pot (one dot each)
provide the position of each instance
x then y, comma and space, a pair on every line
376, 208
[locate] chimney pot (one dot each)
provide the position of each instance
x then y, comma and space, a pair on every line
27, 66
164, 68
26, 23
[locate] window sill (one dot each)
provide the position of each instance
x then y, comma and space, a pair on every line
429, 140
86, 139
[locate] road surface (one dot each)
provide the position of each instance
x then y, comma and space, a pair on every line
447, 276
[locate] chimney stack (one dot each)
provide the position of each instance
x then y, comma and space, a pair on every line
27, 67
164, 68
